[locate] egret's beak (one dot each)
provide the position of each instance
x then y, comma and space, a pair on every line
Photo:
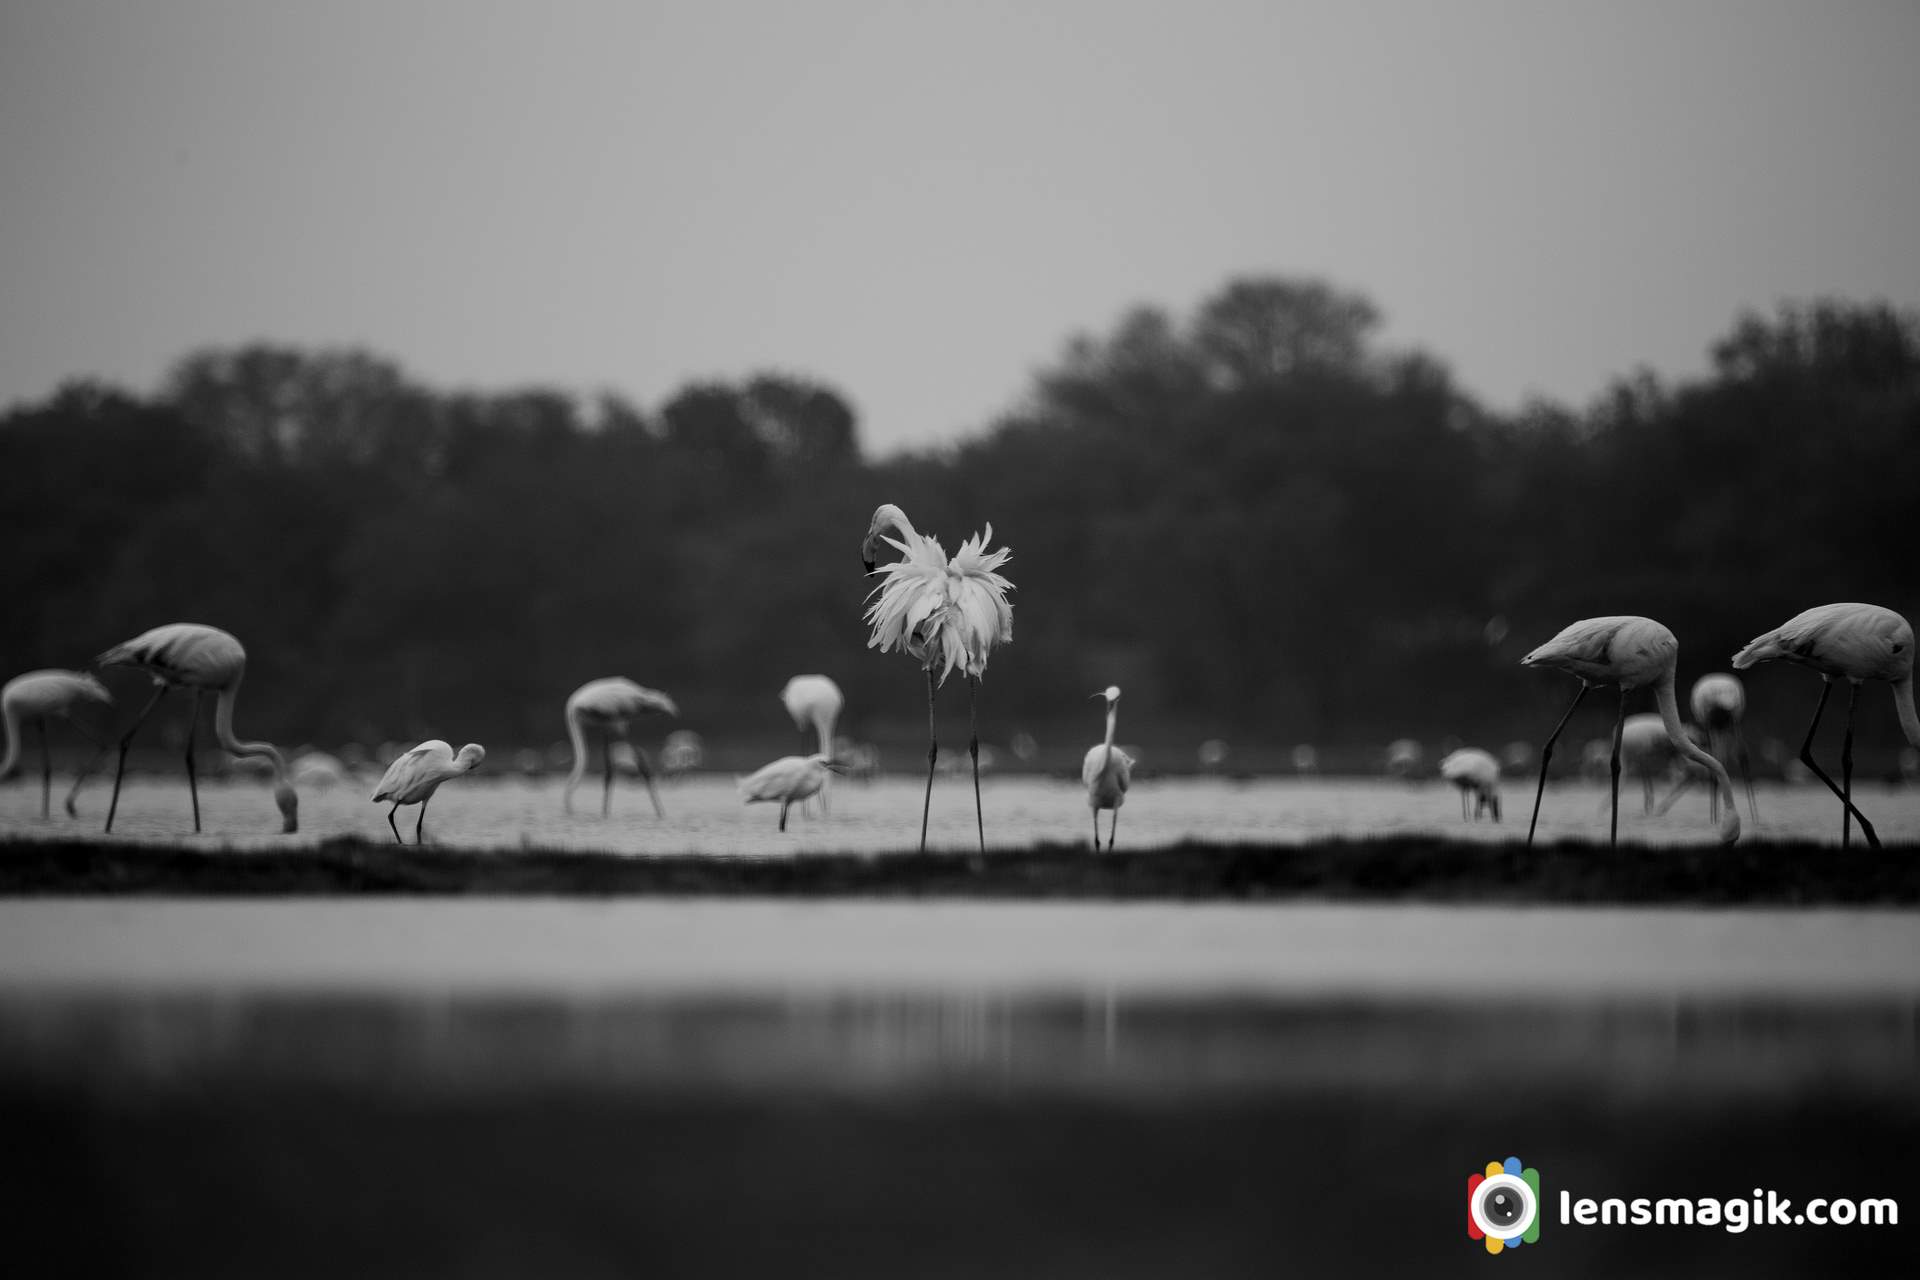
1101, 694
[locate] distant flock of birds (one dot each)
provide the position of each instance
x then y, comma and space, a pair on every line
949, 613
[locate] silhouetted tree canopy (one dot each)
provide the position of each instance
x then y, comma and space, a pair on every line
1255, 518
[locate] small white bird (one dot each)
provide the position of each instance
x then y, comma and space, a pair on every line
415, 776
1107, 772
1856, 642
41, 696
610, 705
1477, 774
1633, 653
788, 779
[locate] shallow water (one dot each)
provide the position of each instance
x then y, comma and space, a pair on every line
704, 814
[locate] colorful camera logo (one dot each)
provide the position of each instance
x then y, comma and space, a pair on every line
1503, 1205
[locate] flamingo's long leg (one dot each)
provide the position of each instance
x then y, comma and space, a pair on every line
1806, 758
1746, 771
396, 830
1113, 827
973, 749
606, 790
646, 776
933, 753
1846, 767
1546, 754
420, 824
126, 740
1619, 728
783, 813
193, 785
1096, 828
100, 749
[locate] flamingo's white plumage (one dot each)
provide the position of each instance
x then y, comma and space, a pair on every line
415, 776
1107, 772
814, 702
1477, 774
943, 613
786, 780
1855, 643
40, 696
1719, 704
610, 706
203, 659
1632, 653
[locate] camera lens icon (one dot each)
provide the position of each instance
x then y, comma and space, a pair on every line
1503, 1205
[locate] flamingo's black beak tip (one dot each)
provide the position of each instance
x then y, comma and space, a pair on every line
867, 565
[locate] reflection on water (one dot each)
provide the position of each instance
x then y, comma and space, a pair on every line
1101, 1043
704, 815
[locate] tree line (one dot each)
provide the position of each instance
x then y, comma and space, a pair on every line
1259, 520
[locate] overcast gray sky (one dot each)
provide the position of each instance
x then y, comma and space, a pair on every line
920, 202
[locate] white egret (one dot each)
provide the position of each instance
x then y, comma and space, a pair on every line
415, 776
788, 779
1107, 772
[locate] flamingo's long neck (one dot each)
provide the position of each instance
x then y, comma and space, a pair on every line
223, 730
578, 738
823, 725
11, 714
1902, 702
1669, 705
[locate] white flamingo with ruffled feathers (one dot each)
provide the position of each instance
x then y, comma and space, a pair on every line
1854, 642
943, 613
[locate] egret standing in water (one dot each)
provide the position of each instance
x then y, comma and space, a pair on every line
610, 706
943, 613
788, 779
40, 696
1855, 642
189, 655
1633, 653
415, 776
1107, 772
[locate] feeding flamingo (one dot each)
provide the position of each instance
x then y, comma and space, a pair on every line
189, 655
1856, 642
1477, 774
41, 696
1719, 703
610, 705
1107, 772
415, 776
944, 613
1633, 653
814, 702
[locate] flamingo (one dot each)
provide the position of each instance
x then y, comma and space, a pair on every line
1857, 642
415, 776
608, 705
1477, 774
815, 702
1108, 772
788, 779
190, 655
41, 696
945, 613
1719, 703
1633, 653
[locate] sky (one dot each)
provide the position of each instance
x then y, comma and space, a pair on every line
921, 202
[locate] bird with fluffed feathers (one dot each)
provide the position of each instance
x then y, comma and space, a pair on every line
788, 780
201, 659
1631, 653
1855, 643
40, 696
415, 776
944, 613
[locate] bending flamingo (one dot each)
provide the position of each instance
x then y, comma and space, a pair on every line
1476, 773
415, 776
1633, 653
1856, 642
188, 655
609, 706
1719, 703
1107, 772
814, 702
944, 613
41, 696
